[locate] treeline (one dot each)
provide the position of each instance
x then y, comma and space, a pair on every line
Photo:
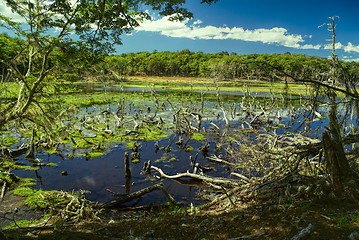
219, 65
71, 63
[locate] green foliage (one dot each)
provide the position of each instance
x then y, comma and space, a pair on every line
86, 32
348, 221
219, 65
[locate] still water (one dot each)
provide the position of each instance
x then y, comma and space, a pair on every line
104, 175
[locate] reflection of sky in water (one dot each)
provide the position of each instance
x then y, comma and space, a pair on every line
107, 172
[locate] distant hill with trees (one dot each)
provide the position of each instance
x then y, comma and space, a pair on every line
77, 64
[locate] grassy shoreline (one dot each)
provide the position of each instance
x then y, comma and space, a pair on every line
177, 83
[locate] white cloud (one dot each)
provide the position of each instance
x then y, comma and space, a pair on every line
351, 48
349, 59
276, 35
329, 46
6, 11
348, 48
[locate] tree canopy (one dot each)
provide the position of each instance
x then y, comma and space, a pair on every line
93, 27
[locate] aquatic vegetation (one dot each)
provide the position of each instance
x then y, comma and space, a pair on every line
189, 149
198, 137
130, 145
8, 141
51, 151
51, 165
135, 161
90, 155
180, 122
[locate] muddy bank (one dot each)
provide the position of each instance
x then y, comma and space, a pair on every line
329, 220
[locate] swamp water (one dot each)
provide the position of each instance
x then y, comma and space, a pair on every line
103, 175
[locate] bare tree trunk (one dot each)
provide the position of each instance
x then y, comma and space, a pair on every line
336, 160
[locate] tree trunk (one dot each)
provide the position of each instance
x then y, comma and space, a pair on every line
336, 161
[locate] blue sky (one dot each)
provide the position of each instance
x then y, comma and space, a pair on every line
253, 26
250, 26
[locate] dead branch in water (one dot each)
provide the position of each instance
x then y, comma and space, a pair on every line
220, 181
129, 197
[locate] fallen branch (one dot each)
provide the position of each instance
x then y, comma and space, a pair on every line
203, 178
214, 125
221, 198
241, 177
3, 190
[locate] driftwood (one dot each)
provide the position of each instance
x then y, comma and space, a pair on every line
129, 197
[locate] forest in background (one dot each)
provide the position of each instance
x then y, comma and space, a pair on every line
75, 65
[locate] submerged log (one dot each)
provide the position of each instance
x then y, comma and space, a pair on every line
127, 172
129, 197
